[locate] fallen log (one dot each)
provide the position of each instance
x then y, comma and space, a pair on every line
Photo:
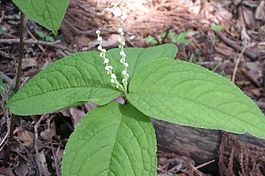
203, 145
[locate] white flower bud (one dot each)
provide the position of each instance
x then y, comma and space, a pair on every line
107, 68
99, 47
110, 67
112, 81
124, 81
126, 64
113, 76
123, 17
106, 61
104, 50
99, 38
98, 32
101, 54
120, 30
124, 72
122, 53
122, 60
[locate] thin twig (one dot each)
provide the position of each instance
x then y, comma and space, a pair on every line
235, 46
7, 79
36, 138
37, 42
34, 38
237, 63
6, 55
19, 69
204, 164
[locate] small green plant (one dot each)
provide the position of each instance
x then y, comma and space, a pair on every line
217, 28
45, 37
2, 85
173, 38
119, 139
2, 31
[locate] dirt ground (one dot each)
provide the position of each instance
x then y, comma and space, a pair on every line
235, 48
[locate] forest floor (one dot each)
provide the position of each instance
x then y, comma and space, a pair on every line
227, 37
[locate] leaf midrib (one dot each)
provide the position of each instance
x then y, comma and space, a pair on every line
187, 99
80, 87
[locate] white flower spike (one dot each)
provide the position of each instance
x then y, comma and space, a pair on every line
108, 67
106, 61
124, 72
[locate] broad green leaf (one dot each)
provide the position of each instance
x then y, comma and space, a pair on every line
48, 13
186, 94
138, 57
114, 140
74, 80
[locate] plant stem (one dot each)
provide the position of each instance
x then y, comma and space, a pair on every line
19, 69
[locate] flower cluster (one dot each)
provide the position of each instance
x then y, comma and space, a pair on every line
108, 67
124, 72
125, 65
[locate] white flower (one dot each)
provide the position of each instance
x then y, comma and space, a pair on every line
113, 76
101, 54
112, 81
99, 47
126, 64
120, 30
106, 61
107, 68
122, 60
99, 38
104, 50
124, 81
122, 53
98, 32
123, 17
124, 72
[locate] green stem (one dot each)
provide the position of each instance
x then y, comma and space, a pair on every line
18, 75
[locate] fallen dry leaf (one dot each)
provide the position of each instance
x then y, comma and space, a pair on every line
26, 137
76, 115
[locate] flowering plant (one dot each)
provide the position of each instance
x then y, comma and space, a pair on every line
119, 139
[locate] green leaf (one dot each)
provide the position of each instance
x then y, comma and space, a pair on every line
150, 40
217, 28
180, 39
2, 31
114, 140
189, 95
71, 81
2, 85
48, 13
139, 57
44, 36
